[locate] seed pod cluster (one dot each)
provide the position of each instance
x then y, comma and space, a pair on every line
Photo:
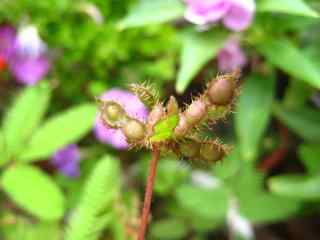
213, 104
208, 151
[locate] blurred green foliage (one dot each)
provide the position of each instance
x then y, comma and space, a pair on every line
140, 41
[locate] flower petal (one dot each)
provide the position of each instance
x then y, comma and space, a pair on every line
28, 70
133, 107
240, 15
206, 11
231, 57
66, 160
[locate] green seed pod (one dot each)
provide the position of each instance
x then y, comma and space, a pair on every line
196, 112
172, 106
189, 149
112, 114
221, 91
182, 128
211, 152
134, 130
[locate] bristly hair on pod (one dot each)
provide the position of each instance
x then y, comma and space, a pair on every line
146, 93
172, 130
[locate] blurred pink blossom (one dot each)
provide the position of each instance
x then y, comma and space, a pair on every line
231, 57
236, 15
134, 108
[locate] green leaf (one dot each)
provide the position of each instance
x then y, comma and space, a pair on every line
198, 48
34, 191
3, 151
168, 229
24, 116
303, 121
100, 191
229, 166
206, 203
62, 129
296, 7
310, 155
296, 186
253, 113
289, 58
263, 207
147, 12
164, 129
24, 229
297, 94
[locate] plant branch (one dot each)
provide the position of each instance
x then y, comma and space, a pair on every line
148, 193
278, 154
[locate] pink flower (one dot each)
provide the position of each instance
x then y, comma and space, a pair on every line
231, 56
24, 53
237, 15
134, 108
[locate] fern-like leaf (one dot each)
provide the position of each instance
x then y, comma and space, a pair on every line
95, 206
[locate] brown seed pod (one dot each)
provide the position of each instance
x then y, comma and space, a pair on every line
221, 91
196, 111
189, 149
211, 152
134, 130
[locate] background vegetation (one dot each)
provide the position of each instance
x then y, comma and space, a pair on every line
269, 185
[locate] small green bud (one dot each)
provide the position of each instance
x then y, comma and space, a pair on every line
221, 91
196, 112
112, 114
134, 130
211, 152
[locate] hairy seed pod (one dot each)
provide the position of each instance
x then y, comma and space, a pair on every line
211, 152
221, 91
189, 149
113, 114
195, 112
155, 115
183, 127
134, 130
145, 93
172, 106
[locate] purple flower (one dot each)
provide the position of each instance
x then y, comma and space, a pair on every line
134, 108
67, 159
25, 53
7, 39
237, 15
231, 57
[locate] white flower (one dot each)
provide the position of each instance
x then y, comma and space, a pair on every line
237, 223
29, 42
204, 180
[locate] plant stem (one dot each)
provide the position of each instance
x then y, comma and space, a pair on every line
148, 193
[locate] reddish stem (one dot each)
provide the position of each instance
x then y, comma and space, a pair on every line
148, 193
278, 154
